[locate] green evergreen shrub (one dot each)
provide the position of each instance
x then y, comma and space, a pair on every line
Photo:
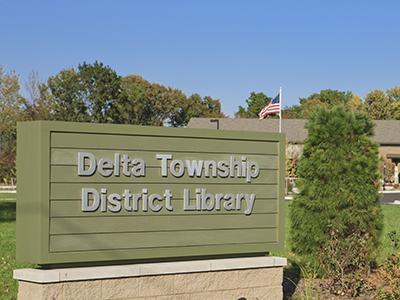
336, 219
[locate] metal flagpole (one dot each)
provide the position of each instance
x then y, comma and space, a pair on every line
280, 109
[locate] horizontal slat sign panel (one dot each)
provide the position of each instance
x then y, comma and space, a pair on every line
95, 193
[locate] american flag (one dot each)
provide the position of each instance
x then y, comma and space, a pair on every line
271, 108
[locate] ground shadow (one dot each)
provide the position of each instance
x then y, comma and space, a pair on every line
291, 277
7, 211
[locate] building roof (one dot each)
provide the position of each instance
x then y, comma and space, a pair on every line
387, 132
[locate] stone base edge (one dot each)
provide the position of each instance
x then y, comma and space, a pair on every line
148, 269
261, 283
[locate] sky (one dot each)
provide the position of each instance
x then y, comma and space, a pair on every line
224, 49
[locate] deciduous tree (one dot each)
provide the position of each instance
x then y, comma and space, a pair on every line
255, 103
154, 104
196, 106
378, 105
326, 99
12, 109
394, 97
40, 101
150, 103
89, 94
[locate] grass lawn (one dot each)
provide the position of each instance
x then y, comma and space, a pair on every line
8, 287
391, 222
7, 196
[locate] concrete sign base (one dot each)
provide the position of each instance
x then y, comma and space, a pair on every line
236, 278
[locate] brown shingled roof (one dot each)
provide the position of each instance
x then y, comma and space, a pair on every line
387, 132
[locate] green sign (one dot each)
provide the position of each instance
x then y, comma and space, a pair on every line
101, 193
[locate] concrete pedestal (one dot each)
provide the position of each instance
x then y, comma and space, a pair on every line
237, 278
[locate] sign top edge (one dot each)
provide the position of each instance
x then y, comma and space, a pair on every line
107, 128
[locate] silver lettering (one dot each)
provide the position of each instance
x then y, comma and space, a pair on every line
103, 200
210, 164
114, 201
207, 200
194, 167
152, 198
177, 172
145, 200
250, 204
127, 200
105, 167
125, 165
138, 168
218, 198
186, 200
136, 198
223, 170
117, 162
230, 202
164, 158
82, 156
86, 206
168, 197
253, 170
234, 164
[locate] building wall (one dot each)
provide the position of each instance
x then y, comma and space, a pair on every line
385, 150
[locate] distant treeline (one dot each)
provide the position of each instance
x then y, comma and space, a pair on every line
377, 104
96, 93
91, 93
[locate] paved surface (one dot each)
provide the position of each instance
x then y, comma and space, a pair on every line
386, 198
390, 198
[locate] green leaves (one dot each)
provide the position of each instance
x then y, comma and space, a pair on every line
89, 94
154, 104
383, 106
12, 109
92, 93
255, 103
95, 93
196, 106
324, 99
377, 104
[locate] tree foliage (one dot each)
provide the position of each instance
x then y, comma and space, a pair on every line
394, 98
377, 105
92, 93
196, 106
325, 99
89, 94
12, 108
154, 104
95, 93
383, 106
255, 103
337, 212
150, 103
41, 104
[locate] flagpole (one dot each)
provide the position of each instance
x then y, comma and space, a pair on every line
280, 109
